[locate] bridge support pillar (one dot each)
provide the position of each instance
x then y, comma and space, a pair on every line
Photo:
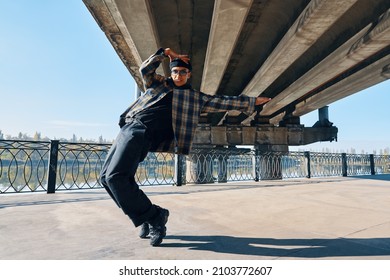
201, 166
268, 161
323, 118
203, 161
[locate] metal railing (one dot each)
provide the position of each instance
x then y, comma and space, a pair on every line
78, 165
23, 165
29, 166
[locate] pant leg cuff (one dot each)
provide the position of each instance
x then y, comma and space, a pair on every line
139, 220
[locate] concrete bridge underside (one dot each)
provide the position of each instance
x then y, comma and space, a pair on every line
304, 54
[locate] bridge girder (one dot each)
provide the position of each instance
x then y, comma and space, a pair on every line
304, 54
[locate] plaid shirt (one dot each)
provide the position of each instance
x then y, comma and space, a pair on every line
187, 104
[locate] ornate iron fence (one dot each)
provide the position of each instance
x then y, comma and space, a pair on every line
27, 166
219, 165
326, 164
358, 164
156, 169
79, 165
23, 166
381, 164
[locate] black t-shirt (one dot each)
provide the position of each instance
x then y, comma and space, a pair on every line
158, 120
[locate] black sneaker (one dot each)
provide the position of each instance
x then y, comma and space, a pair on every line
157, 229
144, 230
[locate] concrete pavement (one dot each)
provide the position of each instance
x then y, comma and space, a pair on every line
320, 218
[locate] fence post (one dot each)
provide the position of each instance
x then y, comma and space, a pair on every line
372, 164
256, 167
344, 166
52, 168
179, 169
307, 155
222, 167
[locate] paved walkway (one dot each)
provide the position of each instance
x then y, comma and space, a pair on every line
327, 218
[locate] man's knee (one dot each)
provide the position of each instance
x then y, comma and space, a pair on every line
114, 180
120, 183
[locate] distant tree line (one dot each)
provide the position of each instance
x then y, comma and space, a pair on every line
385, 151
38, 137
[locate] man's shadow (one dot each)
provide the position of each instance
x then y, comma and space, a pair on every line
296, 248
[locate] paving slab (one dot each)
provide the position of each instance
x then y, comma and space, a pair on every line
318, 218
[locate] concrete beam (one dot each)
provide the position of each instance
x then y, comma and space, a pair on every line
135, 20
107, 23
228, 18
366, 43
129, 27
262, 135
313, 22
373, 74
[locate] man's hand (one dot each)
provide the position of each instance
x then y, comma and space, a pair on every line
172, 55
262, 100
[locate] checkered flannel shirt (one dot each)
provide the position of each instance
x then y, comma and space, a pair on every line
187, 104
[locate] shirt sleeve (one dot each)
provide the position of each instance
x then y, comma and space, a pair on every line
149, 66
221, 103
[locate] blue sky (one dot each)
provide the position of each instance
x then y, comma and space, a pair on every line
60, 76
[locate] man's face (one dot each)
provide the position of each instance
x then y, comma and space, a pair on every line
180, 76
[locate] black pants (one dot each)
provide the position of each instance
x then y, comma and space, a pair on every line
117, 176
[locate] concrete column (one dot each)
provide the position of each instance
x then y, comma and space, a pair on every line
323, 118
201, 166
323, 114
